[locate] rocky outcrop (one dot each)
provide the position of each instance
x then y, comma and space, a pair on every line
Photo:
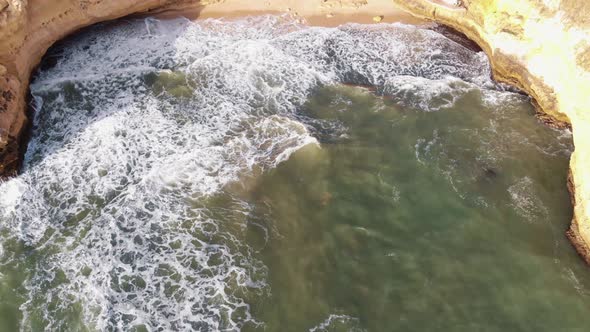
542, 47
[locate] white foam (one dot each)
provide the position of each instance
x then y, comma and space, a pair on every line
526, 203
337, 322
425, 94
112, 194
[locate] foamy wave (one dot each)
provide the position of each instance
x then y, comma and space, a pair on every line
525, 202
138, 125
338, 323
425, 94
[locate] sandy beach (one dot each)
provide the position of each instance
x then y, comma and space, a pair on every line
326, 13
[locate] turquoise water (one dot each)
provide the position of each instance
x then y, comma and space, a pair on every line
265, 175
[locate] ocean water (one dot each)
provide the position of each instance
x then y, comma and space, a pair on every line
262, 175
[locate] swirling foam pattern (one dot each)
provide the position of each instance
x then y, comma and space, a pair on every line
139, 123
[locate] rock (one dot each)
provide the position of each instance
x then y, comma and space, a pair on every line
452, 3
490, 173
9, 155
378, 18
3, 5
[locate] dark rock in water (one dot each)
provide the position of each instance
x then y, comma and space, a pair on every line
487, 176
490, 173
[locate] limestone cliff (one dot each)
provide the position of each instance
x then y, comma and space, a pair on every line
543, 47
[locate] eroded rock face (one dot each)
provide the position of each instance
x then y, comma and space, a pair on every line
541, 47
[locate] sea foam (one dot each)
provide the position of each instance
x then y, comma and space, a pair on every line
138, 124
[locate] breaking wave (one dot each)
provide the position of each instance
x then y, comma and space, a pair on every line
138, 125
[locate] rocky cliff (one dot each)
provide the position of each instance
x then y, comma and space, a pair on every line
541, 46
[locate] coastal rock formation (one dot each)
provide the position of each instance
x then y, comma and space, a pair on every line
540, 46
543, 48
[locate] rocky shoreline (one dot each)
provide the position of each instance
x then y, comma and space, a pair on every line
540, 47
543, 50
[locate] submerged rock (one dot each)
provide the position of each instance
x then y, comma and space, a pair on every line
490, 173
175, 83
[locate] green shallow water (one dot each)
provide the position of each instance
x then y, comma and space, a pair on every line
157, 194
421, 221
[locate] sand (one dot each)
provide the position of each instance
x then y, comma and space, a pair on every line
327, 13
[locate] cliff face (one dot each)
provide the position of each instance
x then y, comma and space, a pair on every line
543, 47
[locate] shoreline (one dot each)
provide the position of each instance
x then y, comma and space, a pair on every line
556, 75
386, 12
554, 71
28, 30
